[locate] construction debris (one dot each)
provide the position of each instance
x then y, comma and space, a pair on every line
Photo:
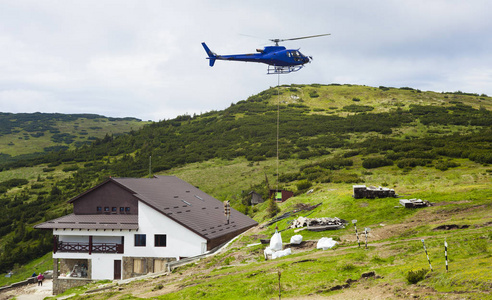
299, 207
319, 224
414, 203
371, 192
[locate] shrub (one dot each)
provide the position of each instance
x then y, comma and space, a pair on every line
412, 162
347, 267
351, 153
313, 94
70, 168
376, 162
416, 276
272, 208
303, 185
444, 165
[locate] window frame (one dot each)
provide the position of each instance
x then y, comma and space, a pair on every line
160, 240
140, 240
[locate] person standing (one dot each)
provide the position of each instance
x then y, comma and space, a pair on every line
40, 279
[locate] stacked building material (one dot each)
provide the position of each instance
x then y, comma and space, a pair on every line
371, 192
414, 203
318, 224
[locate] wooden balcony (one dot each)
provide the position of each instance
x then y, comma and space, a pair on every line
88, 247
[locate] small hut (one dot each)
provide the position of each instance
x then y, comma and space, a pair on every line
255, 198
280, 195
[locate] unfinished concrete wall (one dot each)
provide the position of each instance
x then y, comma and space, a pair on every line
138, 266
62, 284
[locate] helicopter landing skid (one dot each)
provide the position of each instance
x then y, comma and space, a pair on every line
283, 69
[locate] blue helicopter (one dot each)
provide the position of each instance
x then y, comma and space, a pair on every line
279, 59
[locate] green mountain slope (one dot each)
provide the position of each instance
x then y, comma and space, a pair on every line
23, 133
427, 144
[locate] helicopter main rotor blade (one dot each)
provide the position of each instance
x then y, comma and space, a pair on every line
298, 38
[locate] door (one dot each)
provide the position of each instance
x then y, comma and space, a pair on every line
117, 269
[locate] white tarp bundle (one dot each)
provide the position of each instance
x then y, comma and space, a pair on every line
276, 241
326, 243
281, 253
296, 239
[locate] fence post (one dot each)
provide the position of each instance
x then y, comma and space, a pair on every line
428, 259
356, 233
446, 253
366, 230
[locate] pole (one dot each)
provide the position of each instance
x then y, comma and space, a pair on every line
446, 253
279, 287
365, 232
428, 259
356, 233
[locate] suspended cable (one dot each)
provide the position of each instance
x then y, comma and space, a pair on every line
278, 128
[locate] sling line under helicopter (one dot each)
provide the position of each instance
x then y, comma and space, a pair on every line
280, 61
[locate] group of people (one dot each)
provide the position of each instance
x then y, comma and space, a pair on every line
39, 277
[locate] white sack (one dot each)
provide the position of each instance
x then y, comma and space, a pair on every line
276, 241
326, 243
267, 252
296, 239
281, 253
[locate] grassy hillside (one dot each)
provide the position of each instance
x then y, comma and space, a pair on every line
435, 146
41, 132
394, 245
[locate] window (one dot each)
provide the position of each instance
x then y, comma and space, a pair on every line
138, 266
140, 240
160, 240
127, 209
122, 210
99, 209
113, 209
106, 209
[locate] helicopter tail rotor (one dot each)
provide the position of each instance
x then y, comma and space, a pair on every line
211, 55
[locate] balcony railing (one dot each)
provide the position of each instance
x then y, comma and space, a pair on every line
88, 247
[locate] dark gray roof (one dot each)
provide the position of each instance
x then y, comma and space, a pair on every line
169, 195
73, 221
187, 205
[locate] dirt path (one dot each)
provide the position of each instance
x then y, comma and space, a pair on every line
30, 292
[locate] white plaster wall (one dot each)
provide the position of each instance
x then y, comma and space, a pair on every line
180, 241
103, 265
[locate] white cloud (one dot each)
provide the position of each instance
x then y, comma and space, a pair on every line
144, 58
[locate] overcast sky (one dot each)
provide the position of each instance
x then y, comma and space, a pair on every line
144, 59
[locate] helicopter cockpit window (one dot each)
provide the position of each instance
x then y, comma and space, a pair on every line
296, 54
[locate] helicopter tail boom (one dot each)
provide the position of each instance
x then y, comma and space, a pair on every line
211, 56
